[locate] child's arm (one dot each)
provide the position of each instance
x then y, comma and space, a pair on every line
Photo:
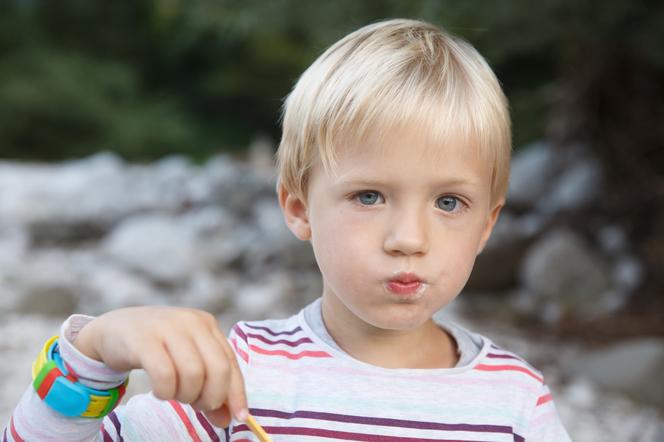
187, 358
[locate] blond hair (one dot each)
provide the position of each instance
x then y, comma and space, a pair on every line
394, 74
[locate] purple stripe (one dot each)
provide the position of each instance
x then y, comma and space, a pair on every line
208, 428
116, 424
381, 421
239, 332
273, 333
4, 436
345, 435
227, 434
280, 341
107, 437
494, 355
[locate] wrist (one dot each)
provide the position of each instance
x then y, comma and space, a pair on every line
58, 386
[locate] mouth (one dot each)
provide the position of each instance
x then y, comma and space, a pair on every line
405, 284
406, 278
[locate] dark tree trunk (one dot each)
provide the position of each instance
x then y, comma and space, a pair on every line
613, 102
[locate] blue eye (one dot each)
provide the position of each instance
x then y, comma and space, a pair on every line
368, 198
447, 203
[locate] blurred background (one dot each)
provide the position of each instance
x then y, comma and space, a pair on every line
136, 143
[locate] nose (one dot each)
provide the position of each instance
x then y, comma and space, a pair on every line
407, 233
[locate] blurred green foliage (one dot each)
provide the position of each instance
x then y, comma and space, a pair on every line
149, 77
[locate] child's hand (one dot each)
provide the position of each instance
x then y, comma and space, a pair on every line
182, 350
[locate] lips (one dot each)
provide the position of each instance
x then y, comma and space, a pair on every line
406, 278
405, 284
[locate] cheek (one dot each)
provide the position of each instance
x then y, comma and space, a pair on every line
341, 244
456, 251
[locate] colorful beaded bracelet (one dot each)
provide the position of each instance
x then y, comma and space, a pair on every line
58, 386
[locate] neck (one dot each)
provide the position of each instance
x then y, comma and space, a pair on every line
428, 346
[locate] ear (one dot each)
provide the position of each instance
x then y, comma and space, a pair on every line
490, 222
295, 213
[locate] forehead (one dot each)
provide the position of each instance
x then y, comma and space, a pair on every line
410, 156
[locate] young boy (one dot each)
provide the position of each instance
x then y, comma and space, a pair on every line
394, 166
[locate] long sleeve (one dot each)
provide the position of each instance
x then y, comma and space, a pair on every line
545, 424
144, 417
34, 420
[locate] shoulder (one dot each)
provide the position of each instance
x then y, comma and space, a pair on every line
520, 383
500, 368
502, 373
496, 359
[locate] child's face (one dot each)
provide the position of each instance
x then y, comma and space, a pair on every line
394, 207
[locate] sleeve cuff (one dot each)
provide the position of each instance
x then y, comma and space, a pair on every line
91, 373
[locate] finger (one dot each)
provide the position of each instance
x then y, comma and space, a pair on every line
237, 397
157, 363
217, 372
220, 417
189, 368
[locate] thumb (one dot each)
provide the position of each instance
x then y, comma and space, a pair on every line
236, 402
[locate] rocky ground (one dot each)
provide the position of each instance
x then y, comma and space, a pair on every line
95, 234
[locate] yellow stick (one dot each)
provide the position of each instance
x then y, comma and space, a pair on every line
257, 429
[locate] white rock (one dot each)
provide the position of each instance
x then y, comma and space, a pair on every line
628, 273
14, 244
532, 171
612, 239
226, 249
276, 246
110, 287
561, 268
630, 367
574, 188
209, 292
157, 245
262, 299
42, 282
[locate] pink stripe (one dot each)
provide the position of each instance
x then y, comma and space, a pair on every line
510, 355
12, 430
544, 399
185, 420
485, 367
302, 354
243, 354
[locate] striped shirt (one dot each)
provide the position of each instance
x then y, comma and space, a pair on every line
301, 388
